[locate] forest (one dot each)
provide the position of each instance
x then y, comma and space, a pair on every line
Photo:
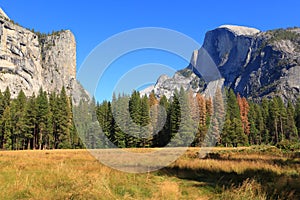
46, 121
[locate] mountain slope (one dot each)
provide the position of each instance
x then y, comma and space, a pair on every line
255, 64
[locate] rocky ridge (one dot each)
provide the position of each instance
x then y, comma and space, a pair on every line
253, 63
30, 61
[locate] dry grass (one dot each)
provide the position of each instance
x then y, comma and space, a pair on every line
75, 174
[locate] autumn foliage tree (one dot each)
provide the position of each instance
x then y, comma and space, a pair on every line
244, 110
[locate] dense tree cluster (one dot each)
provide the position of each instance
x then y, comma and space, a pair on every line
38, 122
46, 121
227, 120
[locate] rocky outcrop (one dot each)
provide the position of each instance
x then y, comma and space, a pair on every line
30, 61
168, 85
255, 64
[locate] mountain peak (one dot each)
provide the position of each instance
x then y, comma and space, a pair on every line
240, 30
3, 14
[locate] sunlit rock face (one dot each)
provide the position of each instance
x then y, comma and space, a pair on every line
253, 63
30, 61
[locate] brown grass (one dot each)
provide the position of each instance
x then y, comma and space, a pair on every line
75, 174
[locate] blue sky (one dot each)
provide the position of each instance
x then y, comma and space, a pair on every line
93, 21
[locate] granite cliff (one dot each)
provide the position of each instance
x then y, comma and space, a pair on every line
253, 63
30, 61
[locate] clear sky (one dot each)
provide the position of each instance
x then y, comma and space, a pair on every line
93, 21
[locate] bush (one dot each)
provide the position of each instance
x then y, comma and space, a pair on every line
287, 145
249, 190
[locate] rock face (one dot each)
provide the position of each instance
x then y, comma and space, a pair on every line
167, 85
29, 61
255, 64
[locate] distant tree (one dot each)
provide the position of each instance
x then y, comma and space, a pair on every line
18, 118
146, 132
163, 136
266, 136
244, 109
274, 120
297, 114
290, 128
31, 122
7, 129
43, 120
218, 117
202, 127
233, 127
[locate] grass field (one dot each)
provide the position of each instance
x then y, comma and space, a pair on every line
240, 173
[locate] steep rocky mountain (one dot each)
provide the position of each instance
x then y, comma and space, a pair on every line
255, 64
30, 60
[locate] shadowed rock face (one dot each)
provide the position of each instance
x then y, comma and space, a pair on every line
258, 64
253, 63
30, 61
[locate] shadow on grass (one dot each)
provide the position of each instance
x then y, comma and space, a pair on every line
274, 185
274, 161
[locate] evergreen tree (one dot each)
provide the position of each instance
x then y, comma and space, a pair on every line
282, 118
155, 119
7, 129
274, 123
290, 128
43, 121
18, 118
31, 122
297, 115
163, 136
233, 127
218, 117
187, 127
174, 117
266, 136
146, 129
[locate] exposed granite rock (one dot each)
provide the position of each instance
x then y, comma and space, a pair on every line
168, 85
29, 61
259, 64
255, 64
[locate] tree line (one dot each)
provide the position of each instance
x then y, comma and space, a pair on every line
226, 120
46, 121
37, 122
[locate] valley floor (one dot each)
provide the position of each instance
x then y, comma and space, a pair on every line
225, 173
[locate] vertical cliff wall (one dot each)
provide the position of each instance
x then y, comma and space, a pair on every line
29, 61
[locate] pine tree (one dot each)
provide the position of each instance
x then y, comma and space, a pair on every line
174, 116
6, 98
119, 122
202, 128
163, 136
244, 109
31, 122
43, 120
274, 123
146, 132
18, 118
282, 117
187, 127
7, 129
297, 115
1, 115
218, 117
265, 105
233, 127
290, 128
154, 114
253, 128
